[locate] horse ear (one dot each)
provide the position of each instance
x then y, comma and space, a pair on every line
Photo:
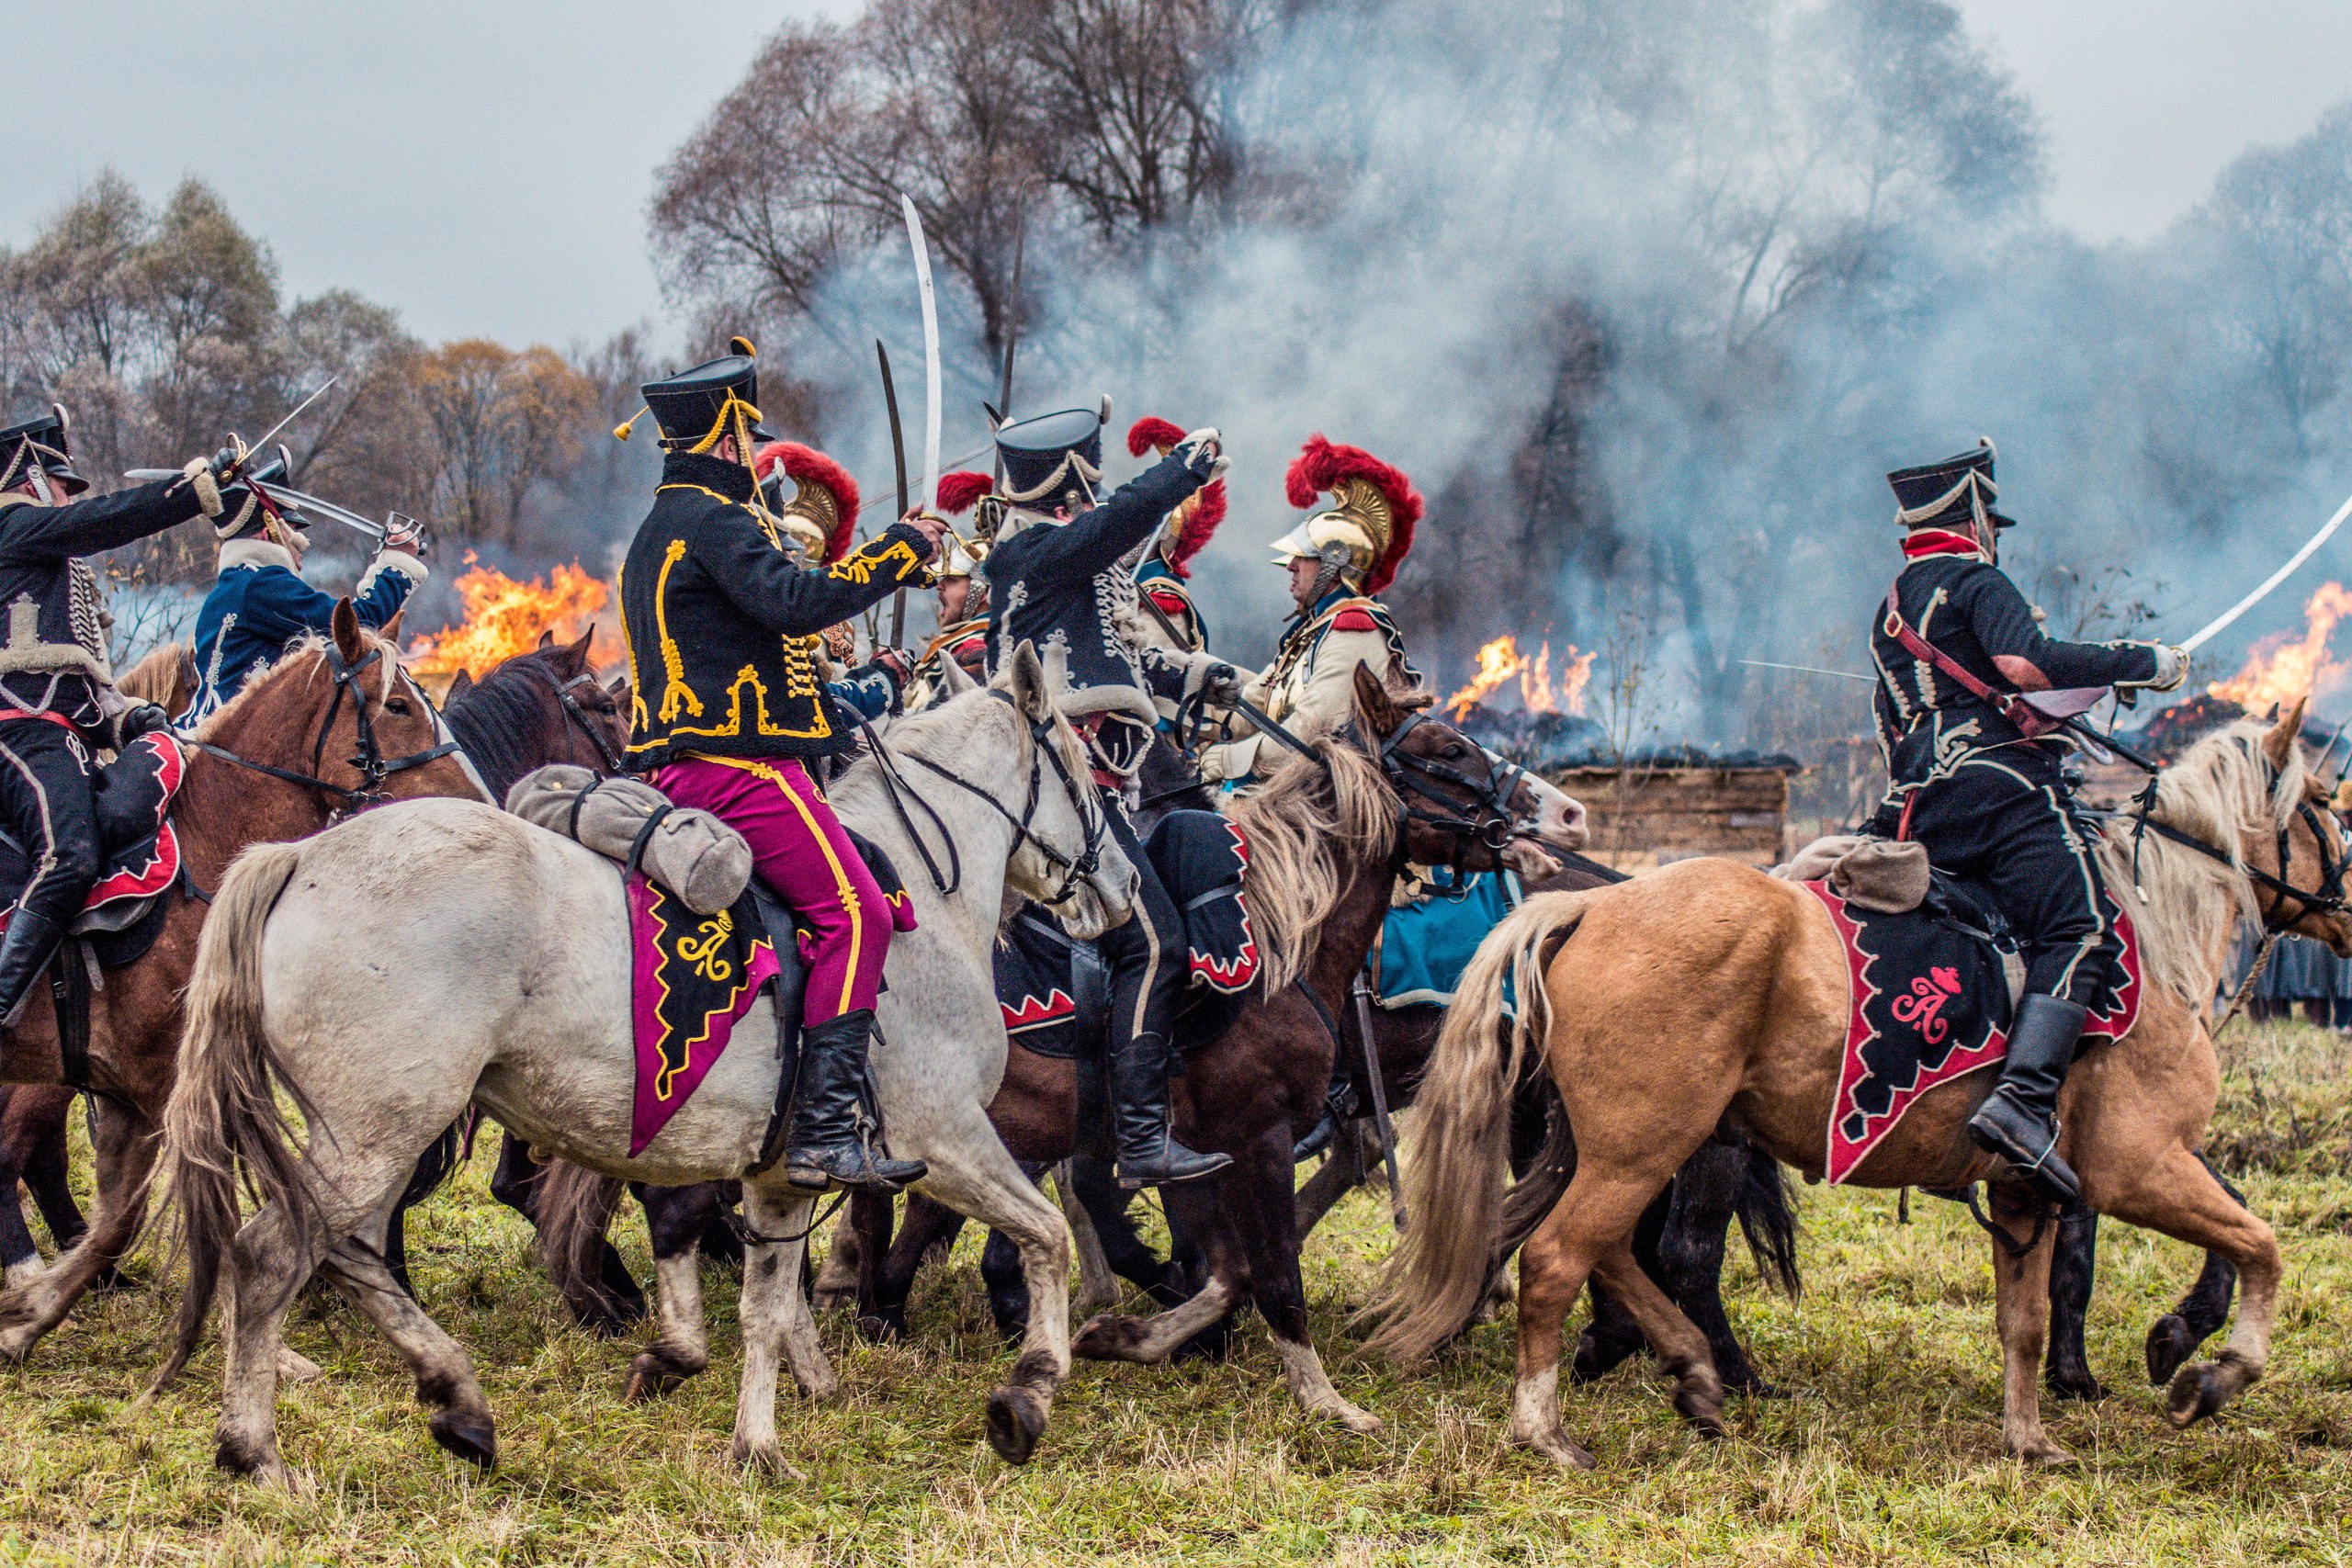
1030, 692
344, 626
458, 687
1374, 705
618, 688
547, 641
574, 656
954, 679
391, 630
2279, 744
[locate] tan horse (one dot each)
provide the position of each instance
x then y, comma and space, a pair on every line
1710, 994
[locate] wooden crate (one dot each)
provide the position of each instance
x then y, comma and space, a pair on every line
1644, 817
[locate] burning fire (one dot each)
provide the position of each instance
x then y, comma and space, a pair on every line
1500, 662
2282, 667
505, 617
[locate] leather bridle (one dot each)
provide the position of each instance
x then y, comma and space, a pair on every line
1490, 822
1074, 870
582, 720
2327, 898
369, 761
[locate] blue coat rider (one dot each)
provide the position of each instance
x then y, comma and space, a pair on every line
259, 606
1975, 772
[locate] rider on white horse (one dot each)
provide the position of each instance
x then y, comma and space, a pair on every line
723, 620
1339, 560
1059, 577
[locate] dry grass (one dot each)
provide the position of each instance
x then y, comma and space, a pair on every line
1887, 1451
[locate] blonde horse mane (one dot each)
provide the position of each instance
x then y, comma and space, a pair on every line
1297, 825
259, 679
166, 677
2178, 898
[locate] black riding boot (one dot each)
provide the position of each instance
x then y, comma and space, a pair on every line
830, 1142
31, 943
1148, 1154
2019, 1121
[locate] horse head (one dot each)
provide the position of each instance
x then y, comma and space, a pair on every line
2302, 845
338, 716
1463, 804
1066, 860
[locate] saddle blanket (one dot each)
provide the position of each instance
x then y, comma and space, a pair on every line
1047, 990
1931, 1001
692, 977
1425, 945
140, 851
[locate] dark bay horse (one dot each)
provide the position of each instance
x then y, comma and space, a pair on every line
335, 726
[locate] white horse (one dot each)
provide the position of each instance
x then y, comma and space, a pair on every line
421, 956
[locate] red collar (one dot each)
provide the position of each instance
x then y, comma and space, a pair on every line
1939, 542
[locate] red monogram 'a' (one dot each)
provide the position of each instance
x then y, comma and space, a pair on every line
1923, 1009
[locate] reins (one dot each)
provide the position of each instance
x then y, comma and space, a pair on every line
370, 762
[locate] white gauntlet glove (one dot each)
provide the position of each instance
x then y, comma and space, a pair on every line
1203, 453
2172, 670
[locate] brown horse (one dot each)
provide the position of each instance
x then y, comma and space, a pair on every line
1708, 993
336, 724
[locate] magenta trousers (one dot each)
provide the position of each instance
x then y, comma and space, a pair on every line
799, 850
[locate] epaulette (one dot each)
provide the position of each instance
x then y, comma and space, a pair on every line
1173, 599
1355, 619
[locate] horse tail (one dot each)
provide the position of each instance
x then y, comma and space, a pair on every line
223, 1127
1768, 1221
1462, 1132
1547, 1175
575, 1207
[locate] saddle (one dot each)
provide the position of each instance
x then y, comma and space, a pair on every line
1932, 991
1054, 990
697, 963
139, 853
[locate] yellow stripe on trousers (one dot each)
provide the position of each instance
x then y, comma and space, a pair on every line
841, 882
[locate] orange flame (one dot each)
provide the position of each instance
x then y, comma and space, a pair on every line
1500, 662
505, 617
2282, 667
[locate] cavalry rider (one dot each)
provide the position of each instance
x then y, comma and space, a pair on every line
1167, 565
822, 518
963, 607
259, 605
723, 618
57, 697
1339, 560
1058, 576
1976, 777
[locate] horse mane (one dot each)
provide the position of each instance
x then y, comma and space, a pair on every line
1302, 827
2215, 792
166, 677
496, 719
265, 675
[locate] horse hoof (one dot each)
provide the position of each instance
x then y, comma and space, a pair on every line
1363, 1423
2077, 1383
2198, 1392
260, 1466
2170, 1344
2043, 1454
1017, 1420
467, 1434
766, 1459
1110, 1337
882, 1327
295, 1367
651, 1376
1554, 1446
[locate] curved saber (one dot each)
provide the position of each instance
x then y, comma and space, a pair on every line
930, 353
284, 494
2222, 623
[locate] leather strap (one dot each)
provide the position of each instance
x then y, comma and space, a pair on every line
644, 837
2032, 722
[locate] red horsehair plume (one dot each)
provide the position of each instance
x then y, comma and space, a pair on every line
1323, 466
805, 465
962, 489
1196, 521
1152, 434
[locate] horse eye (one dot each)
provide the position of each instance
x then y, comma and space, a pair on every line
396, 704
1455, 748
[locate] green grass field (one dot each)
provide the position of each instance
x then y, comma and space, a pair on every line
1886, 1449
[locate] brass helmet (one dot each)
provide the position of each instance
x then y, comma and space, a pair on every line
821, 514
1366, 532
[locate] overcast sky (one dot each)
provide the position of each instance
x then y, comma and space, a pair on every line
484, 166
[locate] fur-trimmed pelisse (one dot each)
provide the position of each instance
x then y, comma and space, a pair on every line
1194, 521
826, 494
1324, 466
